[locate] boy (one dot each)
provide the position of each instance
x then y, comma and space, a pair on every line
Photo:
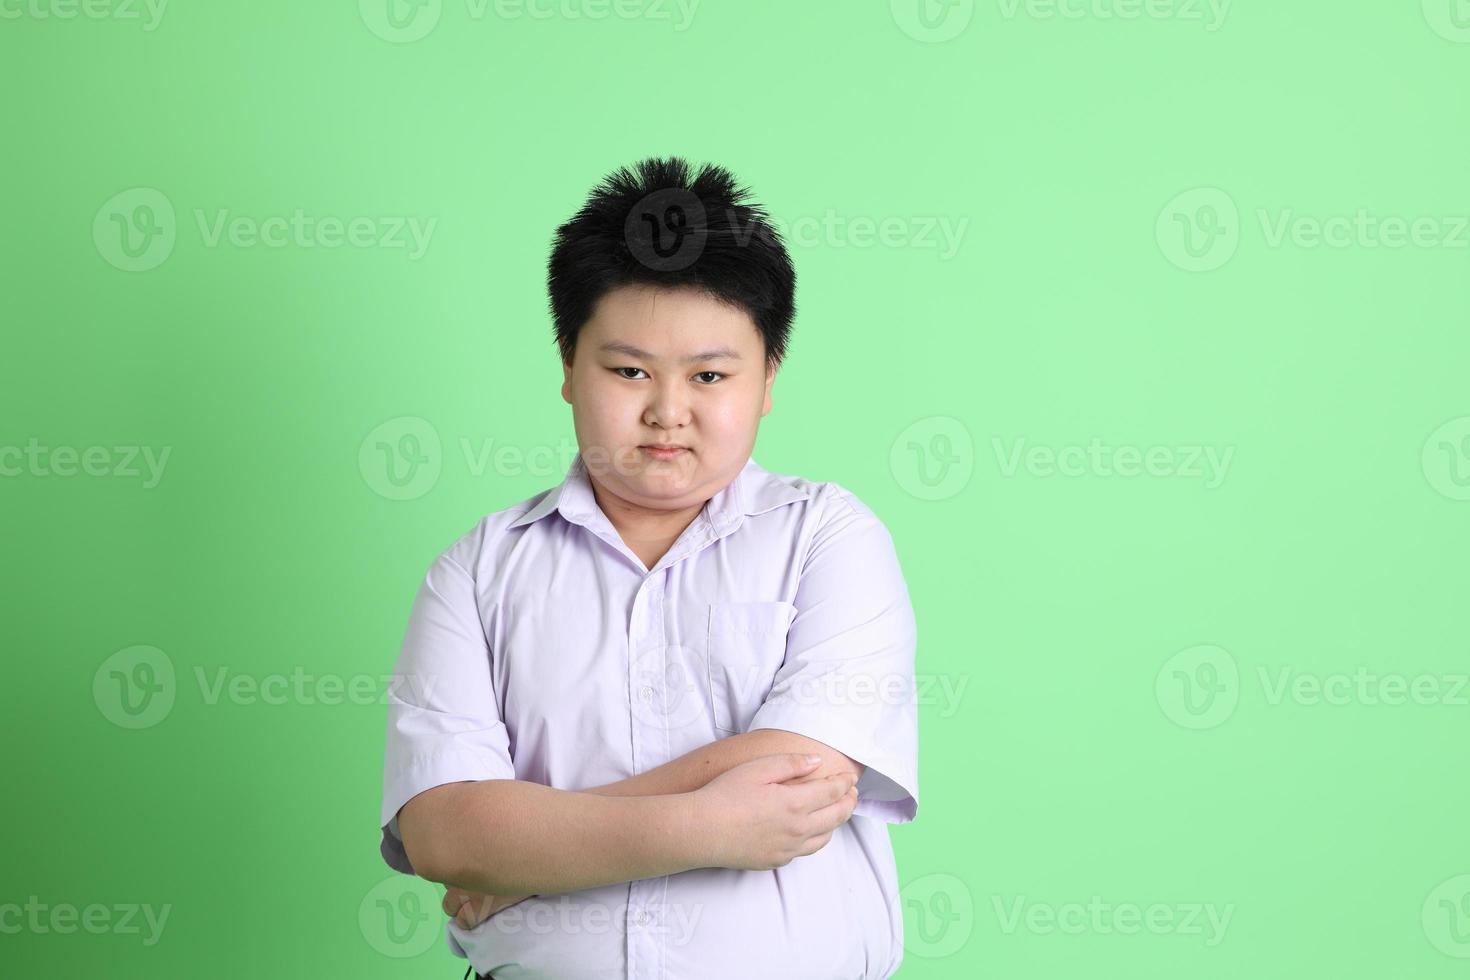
613, 691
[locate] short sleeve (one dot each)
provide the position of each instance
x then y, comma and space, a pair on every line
848, 676
444, 722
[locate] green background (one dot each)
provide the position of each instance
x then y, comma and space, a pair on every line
1082, 757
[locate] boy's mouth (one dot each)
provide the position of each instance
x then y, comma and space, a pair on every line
663, 452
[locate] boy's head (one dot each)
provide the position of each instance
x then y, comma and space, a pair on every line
672, 299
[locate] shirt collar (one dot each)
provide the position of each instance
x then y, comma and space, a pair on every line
753, 491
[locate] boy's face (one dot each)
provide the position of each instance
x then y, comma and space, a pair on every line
681, 390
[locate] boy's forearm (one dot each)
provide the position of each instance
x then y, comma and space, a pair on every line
509, 837
537, 850
693, 769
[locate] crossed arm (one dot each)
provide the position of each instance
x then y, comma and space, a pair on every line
685, 774
692, 770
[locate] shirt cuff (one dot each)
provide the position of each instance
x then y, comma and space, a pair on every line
888, 789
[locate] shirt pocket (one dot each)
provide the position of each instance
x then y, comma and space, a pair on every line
746, 646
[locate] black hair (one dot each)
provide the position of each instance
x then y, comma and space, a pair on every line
657, 226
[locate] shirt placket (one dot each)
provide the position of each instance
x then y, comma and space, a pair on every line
646, 672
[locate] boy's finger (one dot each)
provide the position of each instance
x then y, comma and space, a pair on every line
824, 792
786, 765
835, 814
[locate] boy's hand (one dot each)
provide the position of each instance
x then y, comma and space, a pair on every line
761, 814
469, 909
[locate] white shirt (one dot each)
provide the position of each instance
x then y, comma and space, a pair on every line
541, 648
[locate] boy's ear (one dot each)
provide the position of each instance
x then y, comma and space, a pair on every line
566, 383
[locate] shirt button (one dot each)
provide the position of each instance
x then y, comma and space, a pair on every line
647, 695
642, 918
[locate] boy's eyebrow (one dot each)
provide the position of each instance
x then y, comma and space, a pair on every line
713, 354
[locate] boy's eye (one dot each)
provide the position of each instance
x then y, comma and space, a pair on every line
714, 374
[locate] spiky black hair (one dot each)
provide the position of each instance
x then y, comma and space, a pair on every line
657, 226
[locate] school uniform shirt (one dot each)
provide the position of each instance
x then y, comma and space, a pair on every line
541, 648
